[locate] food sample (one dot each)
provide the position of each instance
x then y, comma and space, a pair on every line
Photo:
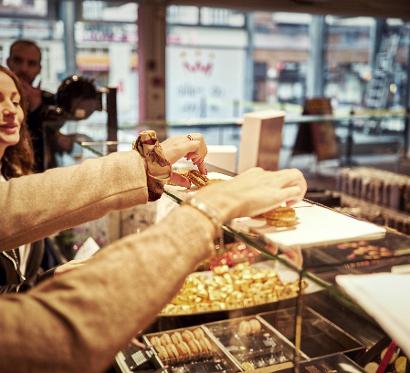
281, 217
365, 250
229, 288
176, 338
196, 178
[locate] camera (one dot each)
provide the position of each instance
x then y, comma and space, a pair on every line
76, 99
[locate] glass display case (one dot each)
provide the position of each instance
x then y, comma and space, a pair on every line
262, 305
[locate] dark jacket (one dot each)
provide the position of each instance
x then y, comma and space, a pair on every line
11, 280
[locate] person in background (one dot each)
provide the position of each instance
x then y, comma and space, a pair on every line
25, 61
78, 321
19, 267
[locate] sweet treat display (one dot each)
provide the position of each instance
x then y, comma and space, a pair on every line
230, 288
365, 250
381, 196
281, 217
190, 350
253, 344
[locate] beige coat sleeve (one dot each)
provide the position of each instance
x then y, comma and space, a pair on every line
60, 198
78, 321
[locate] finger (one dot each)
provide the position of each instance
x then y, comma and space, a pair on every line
178, 179
196, 159
137, 343
292, 193
202, 168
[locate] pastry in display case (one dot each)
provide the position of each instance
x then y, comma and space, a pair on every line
189, 350
319, 337
253, 343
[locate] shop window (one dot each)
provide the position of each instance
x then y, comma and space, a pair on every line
348, 65
206, 66
106, 40
34, 8
280, 58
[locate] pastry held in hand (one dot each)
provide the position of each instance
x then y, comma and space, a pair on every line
281, 217
197, 179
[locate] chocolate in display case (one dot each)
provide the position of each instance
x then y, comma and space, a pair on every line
253, 343
392, 245
319, 336
242, 286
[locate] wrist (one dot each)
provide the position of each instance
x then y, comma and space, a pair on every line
207, 211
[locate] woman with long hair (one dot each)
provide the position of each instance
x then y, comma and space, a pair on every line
19, 268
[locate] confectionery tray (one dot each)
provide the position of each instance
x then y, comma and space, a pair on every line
190, 350
253, 343
320, 337
244, 287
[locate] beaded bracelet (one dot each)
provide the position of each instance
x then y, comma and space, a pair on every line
207, 211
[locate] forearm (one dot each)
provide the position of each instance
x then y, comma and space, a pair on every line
79, 320
35, 206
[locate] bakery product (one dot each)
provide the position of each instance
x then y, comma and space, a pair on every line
194, 347
162, 352
197, 178
176, 338
172, 351
255, 326
244, 328
183, 350
281, 217
187, 335
155, 341
199, 333
165, 339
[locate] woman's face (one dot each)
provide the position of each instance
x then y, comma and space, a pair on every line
11, 112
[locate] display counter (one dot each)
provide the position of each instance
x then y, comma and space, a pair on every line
267, 305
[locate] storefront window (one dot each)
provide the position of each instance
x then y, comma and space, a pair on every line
205, 66
37, 8
281, 54
106, 40
348, 59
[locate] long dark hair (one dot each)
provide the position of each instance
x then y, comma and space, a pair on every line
18, 160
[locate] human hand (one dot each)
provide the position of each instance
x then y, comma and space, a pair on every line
33, 95
192, 147
253, 192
